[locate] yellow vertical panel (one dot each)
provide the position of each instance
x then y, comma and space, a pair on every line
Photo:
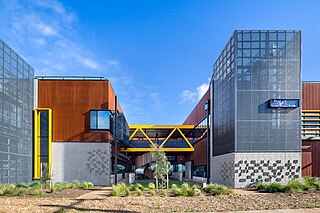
50, 140
36, 154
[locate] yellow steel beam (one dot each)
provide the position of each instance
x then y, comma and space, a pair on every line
184, 137
161, 126
167, 138
145, 135
152, 149
135, 131
36, 154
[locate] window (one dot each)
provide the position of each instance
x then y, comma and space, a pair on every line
100, 119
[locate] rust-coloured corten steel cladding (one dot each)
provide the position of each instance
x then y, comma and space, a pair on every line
311, 148
311, 95
196, 116
71, 101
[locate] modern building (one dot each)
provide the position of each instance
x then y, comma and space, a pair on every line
256, 95
16, 105
75, 131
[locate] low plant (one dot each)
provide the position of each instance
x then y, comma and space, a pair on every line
276, 187
139, 192
86, 185
115, 191
139, 186
22, 185
217, 189
310, 183
127, 192
187, 190
151, 185
20, 191
164, 192
35, 184
39, 192
260, 186
294, 186
176, 191
132, 187
122, 187
76, 184
153, 192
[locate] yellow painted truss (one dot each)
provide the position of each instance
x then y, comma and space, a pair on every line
172, 128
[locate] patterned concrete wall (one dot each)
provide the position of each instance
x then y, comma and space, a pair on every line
81, 161
222, 169
266, 167
242, 169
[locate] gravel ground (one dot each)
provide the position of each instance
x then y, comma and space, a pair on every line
201, 203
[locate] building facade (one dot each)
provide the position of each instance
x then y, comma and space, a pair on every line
256, 93
82, 128
16, 105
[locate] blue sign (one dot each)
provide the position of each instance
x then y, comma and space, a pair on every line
284, 103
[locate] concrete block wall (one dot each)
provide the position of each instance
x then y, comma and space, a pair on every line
239, 170
222, 169
82, 161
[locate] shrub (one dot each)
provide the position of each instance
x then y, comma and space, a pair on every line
310, 183
174, 186
131, 187
177, 191
260, 186
35, 184
197, 192
139, 192
164, 192
153, 192
187, 190
7, 189
196, 186
151, 185
86, 185
122, 187
22, 185
217, 189
139, 186
127, 192
39, 192
294, 186
115, 191
276, 187
76, 184
20, 191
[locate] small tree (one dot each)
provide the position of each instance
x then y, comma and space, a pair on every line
161, 168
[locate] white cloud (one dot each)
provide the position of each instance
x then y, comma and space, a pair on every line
44, 31
202, 89
194, 96
89, 63
188, 96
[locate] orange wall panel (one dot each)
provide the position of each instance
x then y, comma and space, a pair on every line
71, 101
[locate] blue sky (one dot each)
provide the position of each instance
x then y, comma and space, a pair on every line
158, 54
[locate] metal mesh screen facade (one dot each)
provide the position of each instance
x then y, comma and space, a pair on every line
257, 66
16, 105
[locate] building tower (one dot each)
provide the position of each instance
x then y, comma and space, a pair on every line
256, 93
